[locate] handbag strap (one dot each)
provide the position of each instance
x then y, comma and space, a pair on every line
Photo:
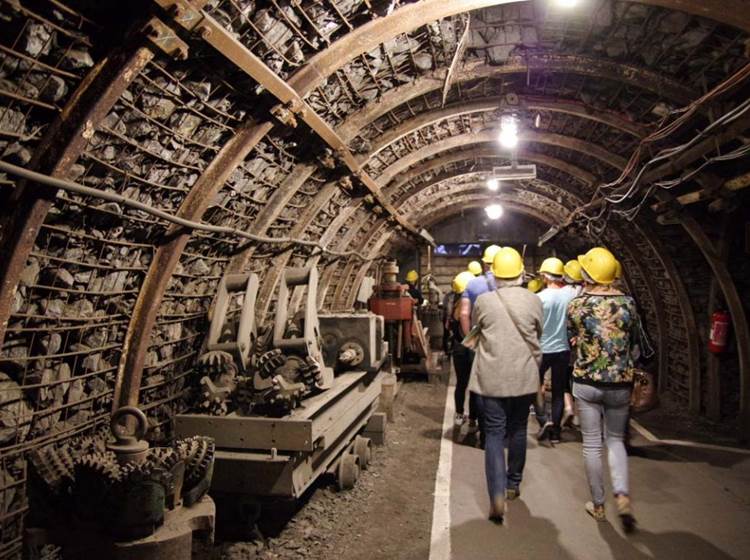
508, 312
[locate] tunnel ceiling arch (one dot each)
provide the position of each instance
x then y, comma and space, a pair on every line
316, 121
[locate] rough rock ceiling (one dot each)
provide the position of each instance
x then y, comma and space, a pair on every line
105, 293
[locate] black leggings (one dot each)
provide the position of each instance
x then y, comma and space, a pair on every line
559, 362
462, 360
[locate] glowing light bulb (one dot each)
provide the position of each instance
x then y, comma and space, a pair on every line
494, 211
567, 3
508, 132
493, 184
508, 140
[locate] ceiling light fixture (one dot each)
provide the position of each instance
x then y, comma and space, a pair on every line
493, 184
508, 132
494, 211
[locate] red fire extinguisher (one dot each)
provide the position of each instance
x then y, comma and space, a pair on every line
719, 334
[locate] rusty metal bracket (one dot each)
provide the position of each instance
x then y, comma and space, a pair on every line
287, 113
165, 39
293, 105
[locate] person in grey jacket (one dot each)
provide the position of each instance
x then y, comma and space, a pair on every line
505, 374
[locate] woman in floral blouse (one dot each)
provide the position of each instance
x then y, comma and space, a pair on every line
603, 326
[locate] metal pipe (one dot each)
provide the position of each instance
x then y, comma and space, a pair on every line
76, 188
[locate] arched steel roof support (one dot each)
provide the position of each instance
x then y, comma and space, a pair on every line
62, 145
576, 109
528, 137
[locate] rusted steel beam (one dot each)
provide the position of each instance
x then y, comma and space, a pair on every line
527, 137
293, 103
62, 145
489, 104
573, 171
167, 256
273, 274
596, 68
734, 13
732, 299
407, 18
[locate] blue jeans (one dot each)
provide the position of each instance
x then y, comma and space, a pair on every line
504, 417
612, 404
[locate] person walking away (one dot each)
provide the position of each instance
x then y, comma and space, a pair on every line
483, 283
412, 279
475, 268
555, 348
574, 279
603, 325
573, 276
505, 374
462, 356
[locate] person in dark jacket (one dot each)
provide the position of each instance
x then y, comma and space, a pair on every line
462, 356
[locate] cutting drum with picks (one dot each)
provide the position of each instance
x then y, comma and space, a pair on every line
291, 401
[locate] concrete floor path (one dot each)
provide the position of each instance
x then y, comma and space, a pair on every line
690, 502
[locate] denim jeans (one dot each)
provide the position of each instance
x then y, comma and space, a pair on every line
504, 417
559, 363
462, 360
612, 404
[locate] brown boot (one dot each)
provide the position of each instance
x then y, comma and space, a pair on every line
625, 511
497, 510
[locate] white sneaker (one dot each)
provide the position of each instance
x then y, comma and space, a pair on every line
459, 421
473, 426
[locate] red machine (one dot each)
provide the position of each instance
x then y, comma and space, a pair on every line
719, 333
403, 330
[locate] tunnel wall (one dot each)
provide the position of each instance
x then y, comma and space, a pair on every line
94, 291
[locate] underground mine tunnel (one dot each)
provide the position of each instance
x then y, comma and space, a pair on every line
234, 247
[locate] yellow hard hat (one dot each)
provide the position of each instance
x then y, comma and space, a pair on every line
412, 276
572, 270
618, 270
489, 253
535, 284
600, 265
552, 265
507, 263
460, 281
475, 268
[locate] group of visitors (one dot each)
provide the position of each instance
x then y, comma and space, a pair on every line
573, 320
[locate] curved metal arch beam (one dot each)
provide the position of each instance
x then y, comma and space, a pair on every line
62, 144
462, 140
685, 309
385, 237
478, 169
488, 152
412, 16
733, 301
167, 257
441, 211
576, 109
596, 68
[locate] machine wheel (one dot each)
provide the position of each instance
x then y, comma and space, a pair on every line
348, 471
363, 449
